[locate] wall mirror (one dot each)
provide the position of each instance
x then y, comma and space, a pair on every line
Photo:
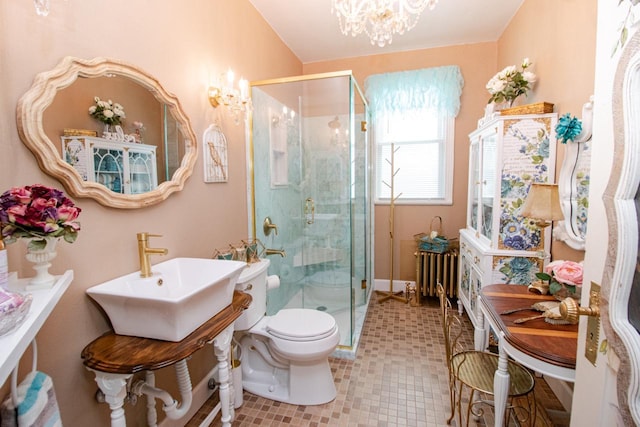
152, 156
573, 184
620, 306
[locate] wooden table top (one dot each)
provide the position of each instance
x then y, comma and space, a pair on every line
121, 354
555, 344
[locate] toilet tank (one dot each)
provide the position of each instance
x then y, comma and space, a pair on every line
253, 280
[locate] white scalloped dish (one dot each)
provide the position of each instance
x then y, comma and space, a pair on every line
13, 310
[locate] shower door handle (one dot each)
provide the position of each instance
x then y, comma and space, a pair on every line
310, 209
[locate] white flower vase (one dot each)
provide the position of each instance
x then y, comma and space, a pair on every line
106, 133
41, 259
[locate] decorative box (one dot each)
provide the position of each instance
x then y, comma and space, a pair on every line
537, 108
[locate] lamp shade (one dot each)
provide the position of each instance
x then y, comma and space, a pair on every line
542, 203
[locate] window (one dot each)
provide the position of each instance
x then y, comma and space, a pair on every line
415, 111
423, 157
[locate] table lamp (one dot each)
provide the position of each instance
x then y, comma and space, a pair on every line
542, 204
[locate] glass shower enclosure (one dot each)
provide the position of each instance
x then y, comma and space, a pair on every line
309, 167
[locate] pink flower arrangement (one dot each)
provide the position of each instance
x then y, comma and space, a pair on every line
37, 211
562, 274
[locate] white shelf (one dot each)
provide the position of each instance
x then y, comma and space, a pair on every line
13, 345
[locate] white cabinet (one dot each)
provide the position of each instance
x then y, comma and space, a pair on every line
506, 155
123, 167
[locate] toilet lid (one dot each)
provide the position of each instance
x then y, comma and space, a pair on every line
300, 324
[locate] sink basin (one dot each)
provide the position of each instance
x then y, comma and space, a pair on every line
181, 295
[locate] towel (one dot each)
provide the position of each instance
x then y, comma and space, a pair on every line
37, 405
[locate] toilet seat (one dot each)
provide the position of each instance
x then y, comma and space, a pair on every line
299, 324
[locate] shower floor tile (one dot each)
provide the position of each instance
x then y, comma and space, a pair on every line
398, 378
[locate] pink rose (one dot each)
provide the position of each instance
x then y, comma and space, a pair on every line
21, 194
566, 272
67, 214
16, 214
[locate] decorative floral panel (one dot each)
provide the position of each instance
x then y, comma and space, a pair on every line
582, 189
464, 279
525, 160
515, 270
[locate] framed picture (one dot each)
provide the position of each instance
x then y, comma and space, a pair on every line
216, 164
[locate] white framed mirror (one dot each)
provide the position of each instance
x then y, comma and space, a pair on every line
55, 111
573, 184
620, 307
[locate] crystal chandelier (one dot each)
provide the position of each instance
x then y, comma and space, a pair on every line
380, 19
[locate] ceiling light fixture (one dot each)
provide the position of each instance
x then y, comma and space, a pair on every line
379, 19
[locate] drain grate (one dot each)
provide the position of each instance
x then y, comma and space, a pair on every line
321, 308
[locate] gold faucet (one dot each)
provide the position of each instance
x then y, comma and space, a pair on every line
144, 251
280, 252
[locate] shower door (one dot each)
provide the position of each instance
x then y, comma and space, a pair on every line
306, 170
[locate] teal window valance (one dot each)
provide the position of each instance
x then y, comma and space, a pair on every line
436, 88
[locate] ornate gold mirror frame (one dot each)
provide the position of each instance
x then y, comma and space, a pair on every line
39, 97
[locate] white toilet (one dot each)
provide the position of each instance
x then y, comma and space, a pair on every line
284, 357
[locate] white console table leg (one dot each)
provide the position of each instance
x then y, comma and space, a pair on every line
221, 347
501, 386
114, 388
480, 331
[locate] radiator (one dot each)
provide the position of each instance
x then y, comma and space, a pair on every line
433, 268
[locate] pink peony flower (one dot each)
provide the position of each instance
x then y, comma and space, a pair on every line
566, 272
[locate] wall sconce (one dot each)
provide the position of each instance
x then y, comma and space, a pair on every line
237, 101
542, 204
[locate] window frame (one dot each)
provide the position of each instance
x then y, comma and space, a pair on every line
448, 144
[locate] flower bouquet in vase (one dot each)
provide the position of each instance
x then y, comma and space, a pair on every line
509, 84
109, 113
41, 216
564, 279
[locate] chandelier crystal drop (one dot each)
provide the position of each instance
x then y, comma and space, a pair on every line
379, 19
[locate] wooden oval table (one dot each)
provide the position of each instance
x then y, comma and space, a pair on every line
543, 347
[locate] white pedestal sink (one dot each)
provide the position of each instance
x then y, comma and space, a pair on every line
180, 296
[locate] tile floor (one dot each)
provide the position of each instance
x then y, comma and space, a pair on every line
398, 378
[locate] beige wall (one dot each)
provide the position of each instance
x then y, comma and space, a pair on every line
563, 52
184, 45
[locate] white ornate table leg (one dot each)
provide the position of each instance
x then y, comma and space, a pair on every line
221, 345
480, 331
501, 384
114, 388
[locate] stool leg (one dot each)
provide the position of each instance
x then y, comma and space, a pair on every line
452, 400
471, 394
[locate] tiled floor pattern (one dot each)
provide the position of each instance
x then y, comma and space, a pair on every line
399, 378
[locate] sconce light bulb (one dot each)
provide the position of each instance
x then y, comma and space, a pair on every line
244, 88
230, 77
